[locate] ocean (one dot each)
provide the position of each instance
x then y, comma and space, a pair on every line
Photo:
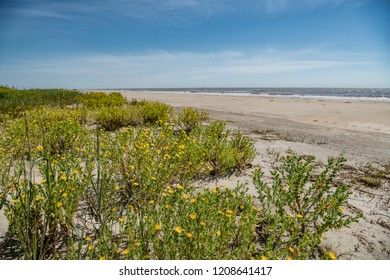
364, 94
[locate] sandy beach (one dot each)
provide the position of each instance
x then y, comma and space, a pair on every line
360, 131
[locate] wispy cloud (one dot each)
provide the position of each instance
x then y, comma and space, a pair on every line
176, 69
152, 10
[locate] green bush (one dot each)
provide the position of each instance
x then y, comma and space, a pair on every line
113, 118
188, 118
223, 152
101, 99
300, 206
155, 111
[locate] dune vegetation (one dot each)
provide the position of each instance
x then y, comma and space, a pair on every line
94, 176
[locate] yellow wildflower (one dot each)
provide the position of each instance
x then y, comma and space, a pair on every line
264, 258
189, 234
202, 223
63, 177
91, 247
151, 201
193, 216
291, 249
230, 212
332, 255
117, 188
102, 258
341, 209
289, 258
40, 148
137, 244
157, 227
168, 206
64, 195
59, 204
299, 216
218, 233
88, 238
178, 229
121, 219
75, 172
72, 188
180, 187
38, 197
125, 252
185, 196
43, 181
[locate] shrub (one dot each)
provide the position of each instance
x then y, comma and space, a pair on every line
188, 118
101, 99
113, 118
155, 111
300, 206
223, 153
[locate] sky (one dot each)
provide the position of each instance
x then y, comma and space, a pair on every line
92, 44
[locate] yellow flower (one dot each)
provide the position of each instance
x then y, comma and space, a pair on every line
218, 233
189, 234
193, 216
185, 196
91, 247
63, 177
182, 147
59, 204
264, 258
75, 172
180, 187
137, 244
178, 229
332, 255
168, 206
43, 181
117, 188
289, 155
255, 208
64, 195
341, 209
125, 252
192, 200
157, 227
40, 148
154, 178
299, 216
1, 195
289, 258
88, 238
284, 189
202, 223
230, 212
135, 184
291, 249
121, 219
102, 258
72, 188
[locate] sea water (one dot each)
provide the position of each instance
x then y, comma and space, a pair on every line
364, 94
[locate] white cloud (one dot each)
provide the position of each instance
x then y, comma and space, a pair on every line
176, 10
181, 69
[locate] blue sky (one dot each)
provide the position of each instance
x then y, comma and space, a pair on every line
194, 43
